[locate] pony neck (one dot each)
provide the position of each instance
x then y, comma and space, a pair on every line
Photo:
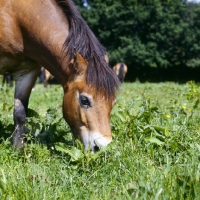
44, 29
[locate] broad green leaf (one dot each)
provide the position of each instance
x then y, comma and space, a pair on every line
73, 152
155, 140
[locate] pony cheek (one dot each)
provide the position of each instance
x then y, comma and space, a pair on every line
69, 110
83, 118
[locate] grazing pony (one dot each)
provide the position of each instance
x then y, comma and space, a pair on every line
120, 69
45, 76
53, 34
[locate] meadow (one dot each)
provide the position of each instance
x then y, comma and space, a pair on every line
154, 154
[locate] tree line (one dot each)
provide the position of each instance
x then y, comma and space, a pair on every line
157, 39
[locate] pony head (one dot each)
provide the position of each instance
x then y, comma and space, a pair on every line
85, 109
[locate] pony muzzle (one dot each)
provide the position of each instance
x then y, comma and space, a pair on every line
95, 141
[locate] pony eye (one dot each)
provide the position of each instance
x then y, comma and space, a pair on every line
85, 101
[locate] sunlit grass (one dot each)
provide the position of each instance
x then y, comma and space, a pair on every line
154, 154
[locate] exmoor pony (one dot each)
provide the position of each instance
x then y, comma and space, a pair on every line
120, 69
53, 34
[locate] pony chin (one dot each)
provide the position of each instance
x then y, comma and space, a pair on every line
94, 140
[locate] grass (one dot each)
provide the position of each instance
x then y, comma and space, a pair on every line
155, 151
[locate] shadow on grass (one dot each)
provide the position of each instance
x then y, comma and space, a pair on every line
47, 132
6, 131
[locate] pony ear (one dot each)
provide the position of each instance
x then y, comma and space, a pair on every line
106, 58
80, 64
77, 67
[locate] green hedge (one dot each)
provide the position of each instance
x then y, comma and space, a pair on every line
147, 33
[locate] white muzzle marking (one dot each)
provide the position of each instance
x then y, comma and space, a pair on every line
94, 139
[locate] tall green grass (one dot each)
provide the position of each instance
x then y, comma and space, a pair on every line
155, 151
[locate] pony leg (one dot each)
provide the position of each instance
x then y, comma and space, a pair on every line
24, 85
10, 80
4, 80
42, 75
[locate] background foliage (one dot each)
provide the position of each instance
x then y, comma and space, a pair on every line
149, 36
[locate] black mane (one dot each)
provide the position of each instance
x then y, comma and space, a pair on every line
99, 74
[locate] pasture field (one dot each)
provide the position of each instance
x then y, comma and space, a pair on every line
155, 153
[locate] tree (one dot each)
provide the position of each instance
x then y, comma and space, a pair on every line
147, 33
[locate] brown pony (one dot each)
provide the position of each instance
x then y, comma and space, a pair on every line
36, 33
120, 69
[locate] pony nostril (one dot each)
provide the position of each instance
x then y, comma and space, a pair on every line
96, 148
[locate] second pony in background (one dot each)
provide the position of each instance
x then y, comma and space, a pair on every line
120, 69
